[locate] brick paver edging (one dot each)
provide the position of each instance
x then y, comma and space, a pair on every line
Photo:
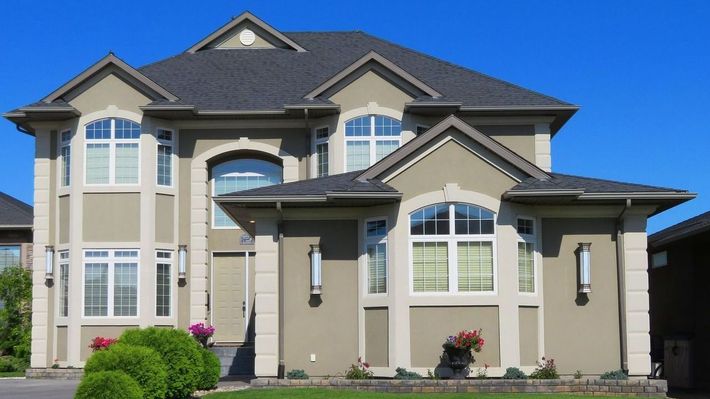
639, 388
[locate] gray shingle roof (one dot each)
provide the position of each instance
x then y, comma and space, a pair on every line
268, 79
14, 212
340, 183
686, 228
587, 184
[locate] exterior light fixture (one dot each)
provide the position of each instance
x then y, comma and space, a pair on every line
585, 268
315, 270
182, 254
49, 262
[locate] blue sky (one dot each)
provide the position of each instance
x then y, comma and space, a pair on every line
639, 69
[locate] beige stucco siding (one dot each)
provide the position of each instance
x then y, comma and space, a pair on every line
164, 218
109, 91
90, 332
370, 87
376, 337
429, 327
61, 340
64, 219
519, 138
324, 325
576, 324
232, 39
528, 319
110, 217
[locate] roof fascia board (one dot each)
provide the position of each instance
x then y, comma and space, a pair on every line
238, 20
373, 56
15, 226
275, 198
101, 64
452, 122
638, 195
542, 193
522, 108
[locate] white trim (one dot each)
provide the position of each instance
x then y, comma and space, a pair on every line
170, 143
528, 239
170, 262
374, 241
60, 157
111, 260
372, 139
62, 262
315, 141
112, 153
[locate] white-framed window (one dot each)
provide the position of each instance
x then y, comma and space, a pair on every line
112, 152
65, 153
659, 259
421, 129
452, 249
110, 283
164, 170
526, 255
320, 150
376, 250
238, 175
370, 138
163, 278
9, 256
63, 283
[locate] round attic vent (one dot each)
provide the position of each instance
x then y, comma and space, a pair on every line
247, 37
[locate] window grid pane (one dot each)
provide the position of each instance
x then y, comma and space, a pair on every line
125, 289
473, 220
64, 290
431, 266
384, 148
377, 268
162, 290
386, 126
358, 127
127, 163
97, 163
9, 256
357, 155
126, 129
99, 130
526, 267
475, 266
376, 228
432, 220
165, 166
322, 154
96, 289
66, 165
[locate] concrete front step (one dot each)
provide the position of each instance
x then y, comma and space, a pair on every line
235, 360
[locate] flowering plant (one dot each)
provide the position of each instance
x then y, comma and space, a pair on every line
201, 333
100, 343
466, 339
359, 371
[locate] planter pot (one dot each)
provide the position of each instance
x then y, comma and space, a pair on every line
459, 360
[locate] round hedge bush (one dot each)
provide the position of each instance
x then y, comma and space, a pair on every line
180, 353
210, 371
108, 385
142, 364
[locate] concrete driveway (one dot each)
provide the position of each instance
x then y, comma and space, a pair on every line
37, 389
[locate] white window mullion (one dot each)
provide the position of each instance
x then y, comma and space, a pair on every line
109, 300
453, 252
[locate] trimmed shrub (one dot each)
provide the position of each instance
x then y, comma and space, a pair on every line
297, 374
210, 371
108, 385
180, 353
404, 374
514, 373
545, 371
614, 375
10, 364
142, 364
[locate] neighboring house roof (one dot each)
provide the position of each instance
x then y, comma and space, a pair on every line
14, 213
559, 181
688, 228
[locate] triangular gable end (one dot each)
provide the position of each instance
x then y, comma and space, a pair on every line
375, 62
108, 65
245, 31
488, 149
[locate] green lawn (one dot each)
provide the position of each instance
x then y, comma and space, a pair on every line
338, 394
5, 374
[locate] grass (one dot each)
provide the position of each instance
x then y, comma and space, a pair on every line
6, 374
338, 394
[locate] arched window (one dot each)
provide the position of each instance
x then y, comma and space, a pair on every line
370, 138
112, 151
238, 175
452, 247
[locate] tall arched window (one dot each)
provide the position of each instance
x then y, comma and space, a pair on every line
452, 247
370, 138
112, 151
238, 175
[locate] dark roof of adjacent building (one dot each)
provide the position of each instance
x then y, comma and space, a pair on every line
14, 212
559, 181
684, 229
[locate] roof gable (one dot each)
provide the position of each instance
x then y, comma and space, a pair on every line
108, 65
397, 160
228, 36
14, 213
372, 61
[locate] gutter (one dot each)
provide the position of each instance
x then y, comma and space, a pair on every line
621, 278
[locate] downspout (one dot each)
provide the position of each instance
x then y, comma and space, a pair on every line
282, 301
621, 277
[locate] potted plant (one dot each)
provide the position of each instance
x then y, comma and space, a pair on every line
459, 348
201, 333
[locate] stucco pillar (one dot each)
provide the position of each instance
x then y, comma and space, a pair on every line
266, 298
543, 148
198, 243
638, 345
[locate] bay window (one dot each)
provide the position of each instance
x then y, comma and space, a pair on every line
110, 283
376, 249
370, 138
452, 249
112, 152
526, 256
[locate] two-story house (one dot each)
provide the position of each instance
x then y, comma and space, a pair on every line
320, 196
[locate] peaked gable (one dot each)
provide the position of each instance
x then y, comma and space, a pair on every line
245, 31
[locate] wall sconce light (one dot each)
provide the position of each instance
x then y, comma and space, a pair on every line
315, 270
182, 254
49, 262
585, 268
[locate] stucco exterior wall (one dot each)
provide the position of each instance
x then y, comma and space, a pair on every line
89, 332
377, 337
529, 335
112, 217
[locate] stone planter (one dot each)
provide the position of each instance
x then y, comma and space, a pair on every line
459, 359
